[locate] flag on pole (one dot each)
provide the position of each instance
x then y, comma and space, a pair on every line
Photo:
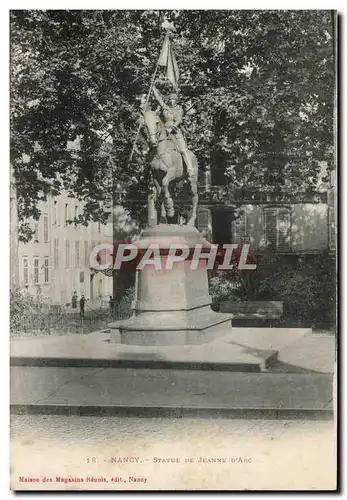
168, 60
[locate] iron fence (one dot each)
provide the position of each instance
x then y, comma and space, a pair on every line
58, 320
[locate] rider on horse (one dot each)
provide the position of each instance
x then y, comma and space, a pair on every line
172, 117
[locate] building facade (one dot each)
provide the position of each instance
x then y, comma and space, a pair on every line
55, 263
296, 224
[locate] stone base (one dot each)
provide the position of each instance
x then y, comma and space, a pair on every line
195, 326
172, 305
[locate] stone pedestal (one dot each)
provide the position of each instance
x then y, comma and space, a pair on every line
172, 306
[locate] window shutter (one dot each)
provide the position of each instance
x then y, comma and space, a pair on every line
284, 230
332, 219
332, 229
271, 227
36, 230
204, 221
67, 253
86, 254
203, 218
45, 229
240, 229
26, 271
56, 252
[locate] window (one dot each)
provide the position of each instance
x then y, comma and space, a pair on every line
333, 178
36, 270
55, 213
332, 228
86, 254
77, 253
76, 212
66, 214
278, 228
99, 226
46, 270
36, 232
92, 248
25, 271
56, 252
204, 179
56, 204
81, 277
67, 253
332, 216
45, 228
239, 229
203, 218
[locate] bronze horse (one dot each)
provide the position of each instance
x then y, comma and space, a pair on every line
167, 164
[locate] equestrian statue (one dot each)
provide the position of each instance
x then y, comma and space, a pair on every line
170, 157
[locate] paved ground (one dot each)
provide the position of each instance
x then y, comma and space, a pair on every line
96, 351
247, 349
258, 454
312, 352
165, 392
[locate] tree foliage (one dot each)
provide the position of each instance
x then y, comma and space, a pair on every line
257, 88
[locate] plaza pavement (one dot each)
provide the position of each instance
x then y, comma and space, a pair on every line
232, 377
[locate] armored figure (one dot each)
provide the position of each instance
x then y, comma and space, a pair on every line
172, 117
169, 156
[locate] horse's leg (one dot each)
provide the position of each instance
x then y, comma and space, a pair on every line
193, 183
168, 201
195, 199
159, 205
152, 205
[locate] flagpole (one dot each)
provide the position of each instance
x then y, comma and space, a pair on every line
147, 99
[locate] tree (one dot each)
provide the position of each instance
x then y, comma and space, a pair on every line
258, 88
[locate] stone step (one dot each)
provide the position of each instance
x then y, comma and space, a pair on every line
230, 358
172, 412
96, 351
141, 392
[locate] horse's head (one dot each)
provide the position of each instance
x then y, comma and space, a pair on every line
151, 120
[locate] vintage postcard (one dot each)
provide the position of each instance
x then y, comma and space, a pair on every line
173, 250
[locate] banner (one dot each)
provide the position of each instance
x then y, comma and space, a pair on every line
168, 60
